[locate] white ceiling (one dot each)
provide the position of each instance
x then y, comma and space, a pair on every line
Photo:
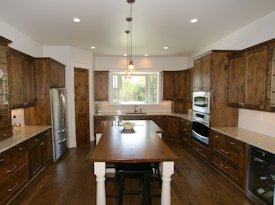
156, 23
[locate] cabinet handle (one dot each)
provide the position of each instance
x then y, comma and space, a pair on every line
185, 130
36, 140
11, 189
217, 136
11, 170
42, 143
5, 134
2, 160
232, 143
20, 148
225, 167
223, 151
199, 150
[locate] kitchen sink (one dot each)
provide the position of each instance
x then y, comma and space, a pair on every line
135, 113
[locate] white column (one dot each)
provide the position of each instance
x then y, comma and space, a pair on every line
99, 171
167, 171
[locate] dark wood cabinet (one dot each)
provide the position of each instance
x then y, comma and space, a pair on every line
188, 88
57, 74
202, 73
270, 78
186, 132
249, 83
101, 85
228, 156
21, 80
200, 149
173, 128
256, 67
14, 172
236, 80
40, 151
5, 124
40, 114
174, 85
168, 85
160, 120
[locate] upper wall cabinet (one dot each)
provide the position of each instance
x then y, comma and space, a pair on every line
249, 83
101, 84
57, 74
202, 73
174, 85
21, 81
270, 82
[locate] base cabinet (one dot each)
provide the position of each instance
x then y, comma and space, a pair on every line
186, 132
14, 171
19, 164
228, 156
39, 152
200, 149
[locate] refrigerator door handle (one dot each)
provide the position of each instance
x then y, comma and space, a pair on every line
63, 140
63, 130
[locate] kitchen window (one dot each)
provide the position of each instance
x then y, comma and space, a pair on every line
139, 88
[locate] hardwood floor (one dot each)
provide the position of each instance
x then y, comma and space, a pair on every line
71, 182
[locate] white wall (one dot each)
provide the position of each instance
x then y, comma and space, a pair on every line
20, 41
259, 31
73, 57
118, 63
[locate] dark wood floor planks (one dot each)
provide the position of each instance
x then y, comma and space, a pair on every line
71, 182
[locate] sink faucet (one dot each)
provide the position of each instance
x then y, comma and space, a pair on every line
136, 109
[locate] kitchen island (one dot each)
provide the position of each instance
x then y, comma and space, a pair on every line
141, 145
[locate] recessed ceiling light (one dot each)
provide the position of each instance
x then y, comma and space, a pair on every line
77, 20
92, 47
194, 20
165, 47
125, 55
146, 55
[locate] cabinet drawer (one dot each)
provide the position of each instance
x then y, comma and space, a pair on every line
186, 138
217, 138
186, 126
200, 149
234, 145
12, 159
12, 184
233, 172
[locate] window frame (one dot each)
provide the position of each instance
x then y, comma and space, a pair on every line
136, 73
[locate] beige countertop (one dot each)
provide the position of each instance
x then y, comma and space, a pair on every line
259, 140
21, 135
185, 116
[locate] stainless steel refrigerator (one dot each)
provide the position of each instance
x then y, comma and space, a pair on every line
59, 122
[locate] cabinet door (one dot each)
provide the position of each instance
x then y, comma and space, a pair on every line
197, 83
236, 81
188, 86
35, 157
173, 128
168, 85
179, 85
160, 121
15, 80
5, 124
206, 72
46, 147
57, 75
256, 65
101, 84
28, 82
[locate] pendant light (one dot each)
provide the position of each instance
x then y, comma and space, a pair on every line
130, 63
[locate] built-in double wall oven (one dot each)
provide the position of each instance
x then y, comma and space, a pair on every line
201, 117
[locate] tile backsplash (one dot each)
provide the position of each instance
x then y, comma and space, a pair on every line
17, 116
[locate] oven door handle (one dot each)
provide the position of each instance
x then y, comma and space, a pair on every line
195, 119
200, 136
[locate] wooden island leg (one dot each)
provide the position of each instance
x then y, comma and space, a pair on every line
167, 172
99, 171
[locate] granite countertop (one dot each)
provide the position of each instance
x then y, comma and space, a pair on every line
256, 139
21, 135
185, 116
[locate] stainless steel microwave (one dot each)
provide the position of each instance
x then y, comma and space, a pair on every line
201, 102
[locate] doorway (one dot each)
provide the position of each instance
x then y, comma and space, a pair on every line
82, 121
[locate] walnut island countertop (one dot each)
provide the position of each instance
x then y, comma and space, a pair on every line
256, 139
22, 134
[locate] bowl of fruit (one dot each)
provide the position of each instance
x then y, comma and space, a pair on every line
128, 125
